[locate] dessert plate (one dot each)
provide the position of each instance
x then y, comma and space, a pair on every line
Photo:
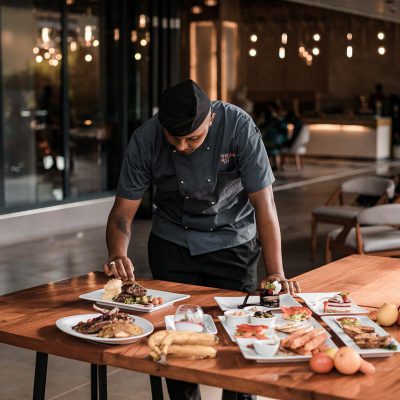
315, 301
230, 303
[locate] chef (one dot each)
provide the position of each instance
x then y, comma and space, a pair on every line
213, 193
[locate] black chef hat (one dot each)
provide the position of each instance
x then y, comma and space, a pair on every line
183, 108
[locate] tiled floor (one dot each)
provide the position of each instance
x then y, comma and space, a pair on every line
31, 264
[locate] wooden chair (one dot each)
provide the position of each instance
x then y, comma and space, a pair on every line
375, 231
335, 211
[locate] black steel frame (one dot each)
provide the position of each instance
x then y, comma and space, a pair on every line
2, 158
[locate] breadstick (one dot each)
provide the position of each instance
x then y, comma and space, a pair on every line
155, 339
191, 351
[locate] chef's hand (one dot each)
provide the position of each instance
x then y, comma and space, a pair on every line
288, 286
120, 267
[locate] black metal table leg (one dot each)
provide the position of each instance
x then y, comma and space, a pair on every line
93, 382
156, 388
39, 385
102, 377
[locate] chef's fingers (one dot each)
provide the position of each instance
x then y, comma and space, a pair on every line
262, 283
129, 268
114, 269
291, 287
297, 287
107, 270
121, 269
285, 286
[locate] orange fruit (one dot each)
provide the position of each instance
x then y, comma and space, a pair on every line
347, 361
321, 363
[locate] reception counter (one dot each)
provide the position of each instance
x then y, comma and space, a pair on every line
350, 137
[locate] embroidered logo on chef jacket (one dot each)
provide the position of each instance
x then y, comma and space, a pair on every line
225, 158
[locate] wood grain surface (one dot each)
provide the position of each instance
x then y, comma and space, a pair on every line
27, 320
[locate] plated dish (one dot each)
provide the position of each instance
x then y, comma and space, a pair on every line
230, 303
108, 326
332, 303
133, 296
280, 326
363, 335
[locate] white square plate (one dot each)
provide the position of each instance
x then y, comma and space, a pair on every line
168, 299
279, 321
315, 302
349, 342
251, 354
229, 303
208, 328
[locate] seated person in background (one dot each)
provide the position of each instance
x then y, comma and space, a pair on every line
274, 130
294, 119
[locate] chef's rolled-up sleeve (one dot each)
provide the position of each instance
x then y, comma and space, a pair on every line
135, 176
254, 168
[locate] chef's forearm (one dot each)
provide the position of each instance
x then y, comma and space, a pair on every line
270, 238
118, 233
268, 229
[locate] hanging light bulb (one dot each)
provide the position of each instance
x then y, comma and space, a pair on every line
116, 34
381, 50
88, 57
143, 42
284, 38
317, 37
88, 34
315, 51
134, 36
142, 21
302, 49
35, 50
39, 59
253, 38
380, 35
349, 51
252, 52
349, 36
96, 43
282, 52
138, 56
46, 35
73, 46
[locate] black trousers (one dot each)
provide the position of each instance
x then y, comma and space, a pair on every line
234, 268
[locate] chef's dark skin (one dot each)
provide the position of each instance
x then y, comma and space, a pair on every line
123, 212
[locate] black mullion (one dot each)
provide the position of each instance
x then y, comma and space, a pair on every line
124, 77
2, 159
65, 100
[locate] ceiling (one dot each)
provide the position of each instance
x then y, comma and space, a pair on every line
388, 10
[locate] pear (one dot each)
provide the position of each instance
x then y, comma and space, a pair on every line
387, 315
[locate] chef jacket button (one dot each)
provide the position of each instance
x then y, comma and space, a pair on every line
174, 150
181, 181
213, 202
209, 180
187, 197
211, 229
208, 148
186, 227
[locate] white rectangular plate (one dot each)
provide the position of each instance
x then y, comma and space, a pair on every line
229, 303
348, 341
251, 354
315, 302
168, 299
279, 320
208, 328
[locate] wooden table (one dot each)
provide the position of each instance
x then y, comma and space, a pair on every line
27, 320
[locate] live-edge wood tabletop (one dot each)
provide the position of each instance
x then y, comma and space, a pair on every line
27, 320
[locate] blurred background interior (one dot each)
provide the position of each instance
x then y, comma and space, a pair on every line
320, 79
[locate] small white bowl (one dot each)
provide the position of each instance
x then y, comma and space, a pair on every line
270, 322
236, 317
253, 309
266, 348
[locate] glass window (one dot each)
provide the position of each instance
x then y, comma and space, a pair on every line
30, 72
